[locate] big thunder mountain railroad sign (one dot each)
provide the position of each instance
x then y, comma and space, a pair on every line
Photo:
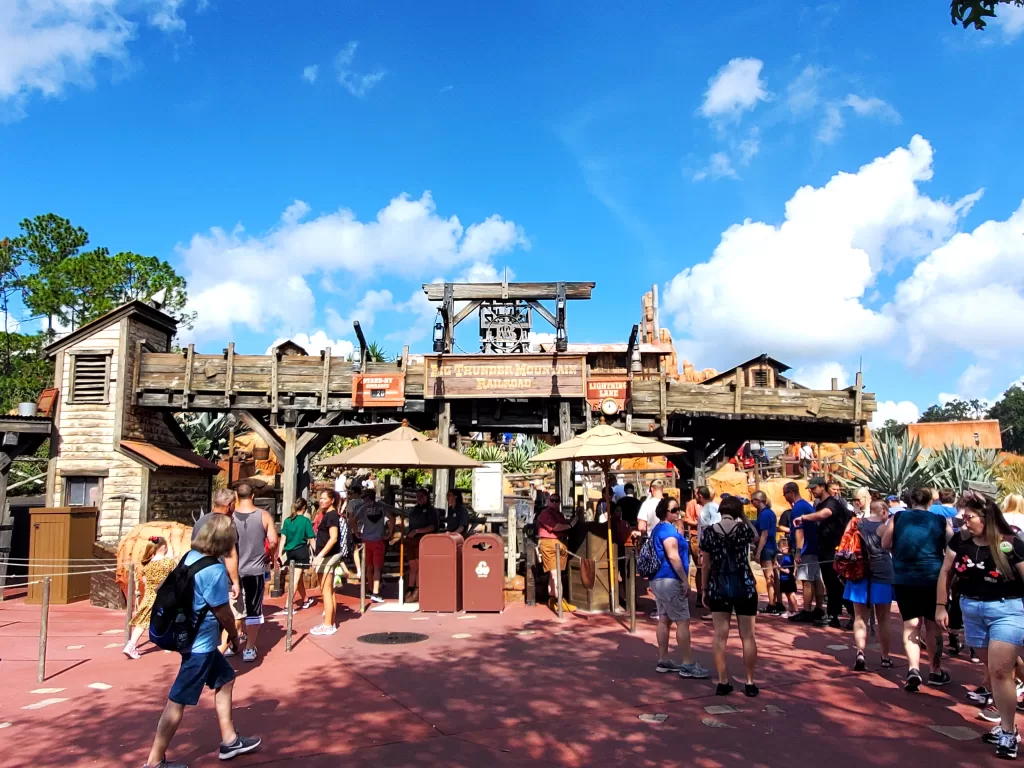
479, 376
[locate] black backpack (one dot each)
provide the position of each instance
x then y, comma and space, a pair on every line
174, 623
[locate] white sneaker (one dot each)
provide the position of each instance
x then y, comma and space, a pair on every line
228, 651
376, 599
249, 654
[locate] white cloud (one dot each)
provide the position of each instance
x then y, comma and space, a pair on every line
736, 88
824, 255
903, 412
748, 148
974, 382
259, 281
316, 343
968, 293
309, 73
719, 167
1010, 19
365, 311
356, 83
834, 121
48, 45
803, 94
820, 375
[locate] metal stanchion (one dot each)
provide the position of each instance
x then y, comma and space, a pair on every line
44, 620
291, 606
129, 603
558, 577
362, 581
631, 587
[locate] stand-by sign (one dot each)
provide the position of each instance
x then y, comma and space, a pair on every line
608, 395
378, 390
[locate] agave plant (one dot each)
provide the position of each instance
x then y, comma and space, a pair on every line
490, 453
208, 432
517, 460
895, 465
954, 466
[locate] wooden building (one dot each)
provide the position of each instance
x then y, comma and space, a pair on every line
133, 463
967, 434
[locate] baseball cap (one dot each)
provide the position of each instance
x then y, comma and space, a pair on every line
816, 481
892, 498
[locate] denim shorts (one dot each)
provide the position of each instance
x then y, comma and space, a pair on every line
988, 620
197, 670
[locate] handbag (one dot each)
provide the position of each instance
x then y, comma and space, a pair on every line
588, 573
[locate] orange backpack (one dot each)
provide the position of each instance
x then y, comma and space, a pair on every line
850, 557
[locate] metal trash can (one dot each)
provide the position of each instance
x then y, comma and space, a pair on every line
441, 573
483, 575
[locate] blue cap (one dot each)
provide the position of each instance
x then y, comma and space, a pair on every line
892, 498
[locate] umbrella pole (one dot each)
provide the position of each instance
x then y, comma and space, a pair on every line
401, 546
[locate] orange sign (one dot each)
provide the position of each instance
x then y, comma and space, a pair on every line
378, 390
608, 395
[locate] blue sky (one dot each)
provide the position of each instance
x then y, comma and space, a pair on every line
819, 182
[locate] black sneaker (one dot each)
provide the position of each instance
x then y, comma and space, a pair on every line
802, 617
859, 665
955, 645
833, 622
979, 695
914, 681
939, 678
1006, 746
239, 746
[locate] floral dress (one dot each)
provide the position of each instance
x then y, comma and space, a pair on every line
153, 573
729, 553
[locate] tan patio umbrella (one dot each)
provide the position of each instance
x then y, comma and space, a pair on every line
603, 444
402, 448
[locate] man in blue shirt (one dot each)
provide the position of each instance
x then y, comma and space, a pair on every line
804, 544
204, 665
670, 586
767, 549
944, 507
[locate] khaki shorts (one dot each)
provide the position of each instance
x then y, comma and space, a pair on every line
668, 594
328, 564
548, 547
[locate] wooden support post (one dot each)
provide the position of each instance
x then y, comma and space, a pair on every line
835, 384
513, 542
326, 383
129, 601
186, 392
531, 581
290, 473
138, 369
229, 373
558, 579
44, 620
269, 436
441, 476
565, 468
858, 397
738, 402
274, 359
6, 522
663, 400
291, 606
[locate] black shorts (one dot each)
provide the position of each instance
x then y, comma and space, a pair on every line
744, 607
252, 599
299, 556
788, 587
915, 602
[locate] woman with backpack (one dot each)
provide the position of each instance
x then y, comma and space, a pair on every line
729, 587
988, 559
872, 590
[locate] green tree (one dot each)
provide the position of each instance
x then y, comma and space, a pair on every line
28, 372
1009, 410
968, 13
954, 410
890, 429
44, 244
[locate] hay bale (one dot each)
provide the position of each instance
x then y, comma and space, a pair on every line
132, 546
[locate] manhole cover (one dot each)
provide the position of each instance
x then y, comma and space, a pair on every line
392, 638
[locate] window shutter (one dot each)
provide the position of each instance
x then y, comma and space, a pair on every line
91, 379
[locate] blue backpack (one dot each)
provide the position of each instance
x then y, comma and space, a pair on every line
174, 623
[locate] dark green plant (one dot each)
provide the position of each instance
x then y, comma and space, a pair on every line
890, 466
954, 466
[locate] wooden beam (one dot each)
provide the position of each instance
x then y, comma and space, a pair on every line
274, 360
325, 389
543, 312
229, 372
138, 367
564, 477
441, 476
187, 389
466, 311
268, 435
473, 291
663, 399
858, 397
290, 471
738, 402
308, 437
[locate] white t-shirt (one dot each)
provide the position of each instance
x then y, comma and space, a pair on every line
806, 452
341, 485
649, 512
707, 516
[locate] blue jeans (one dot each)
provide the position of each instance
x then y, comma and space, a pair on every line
197, 670
988, 620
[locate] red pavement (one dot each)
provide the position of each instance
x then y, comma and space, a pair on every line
521, 690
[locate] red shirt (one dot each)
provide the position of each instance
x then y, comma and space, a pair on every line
546, 522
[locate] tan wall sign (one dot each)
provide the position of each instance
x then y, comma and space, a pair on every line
458, 376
